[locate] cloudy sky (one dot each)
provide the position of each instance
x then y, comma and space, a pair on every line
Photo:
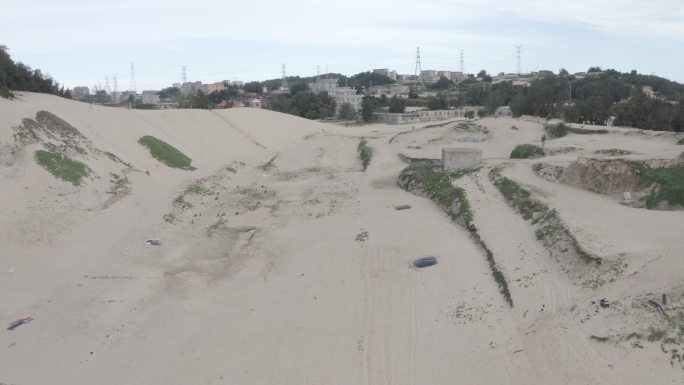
79, 42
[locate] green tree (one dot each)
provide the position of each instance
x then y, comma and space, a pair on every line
469, 115
437, 103
347, 112
397, 105
368, 106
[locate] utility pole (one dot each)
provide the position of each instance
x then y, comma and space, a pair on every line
283, 79
518, 47
462, 61
183, 76
133, 85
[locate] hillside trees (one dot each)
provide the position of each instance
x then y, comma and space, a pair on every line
20, 77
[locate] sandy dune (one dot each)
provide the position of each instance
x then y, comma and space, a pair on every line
263, 280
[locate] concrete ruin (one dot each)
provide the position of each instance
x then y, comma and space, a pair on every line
460, 158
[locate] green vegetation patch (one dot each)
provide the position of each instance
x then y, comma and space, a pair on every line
524, 151
365, 153
436, 185
62, 167
556, 130
667, 184
166, 153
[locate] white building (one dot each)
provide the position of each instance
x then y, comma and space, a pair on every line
150, 97
341, 95
80, 93
392, 74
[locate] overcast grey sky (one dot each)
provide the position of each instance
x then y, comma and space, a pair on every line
80, 42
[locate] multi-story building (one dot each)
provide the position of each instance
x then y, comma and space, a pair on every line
446, 74
80, 93
429, 76
392, 74
341, 95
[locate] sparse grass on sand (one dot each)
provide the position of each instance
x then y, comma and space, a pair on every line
424, 178
268, 165
365, 153
166, 153
552, 232
62, 167
668, 181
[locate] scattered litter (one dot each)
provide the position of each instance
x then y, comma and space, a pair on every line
658, 308
402, 207
472, 227
425, 262
604, 303
19, 322
251, 233
154, 242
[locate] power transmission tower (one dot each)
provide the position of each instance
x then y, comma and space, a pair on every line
116, 83
419, 70
185, 79
133, 85
107, 84
283, 79
318, 72
462, 64
518, 47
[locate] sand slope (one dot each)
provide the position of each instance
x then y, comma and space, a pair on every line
265, 278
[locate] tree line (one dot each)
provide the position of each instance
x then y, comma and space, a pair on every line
20, 77
593, 99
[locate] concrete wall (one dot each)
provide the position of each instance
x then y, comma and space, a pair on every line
460, 158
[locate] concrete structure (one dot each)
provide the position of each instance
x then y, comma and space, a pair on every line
395, 118
341, 95
461, 158
422, 115
80, 93
503, 112
446, 114
150, 97
398, 90
255, 103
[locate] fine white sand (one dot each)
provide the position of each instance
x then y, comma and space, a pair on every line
263, 280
